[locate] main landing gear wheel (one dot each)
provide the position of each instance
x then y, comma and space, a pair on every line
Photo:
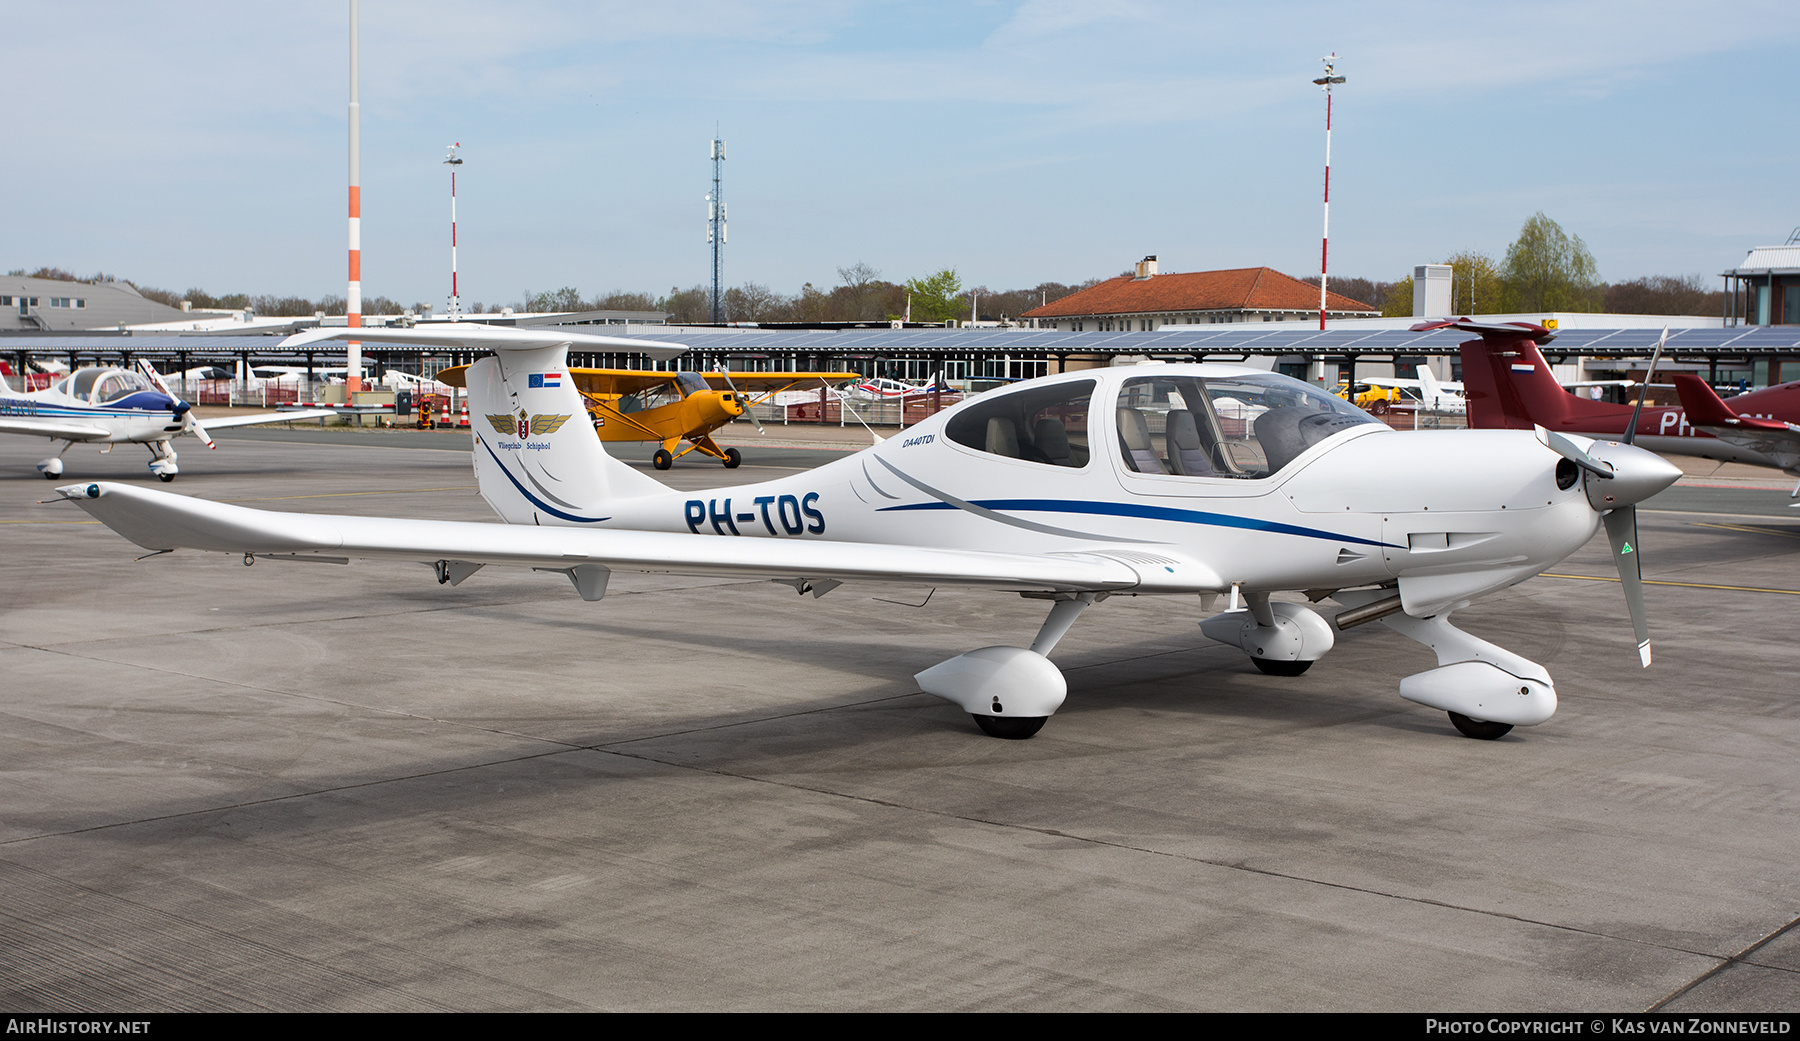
662, 460
165, 478
48, 476
733, 459
1012, 728
1480, 729
1270, 667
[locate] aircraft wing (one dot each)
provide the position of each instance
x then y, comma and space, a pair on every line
609, 382
474, 336
774, 382
1390, 381
1706, 411
61, 429
162, 521
601, 382
267, 417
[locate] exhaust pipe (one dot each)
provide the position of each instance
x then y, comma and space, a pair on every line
1368, 612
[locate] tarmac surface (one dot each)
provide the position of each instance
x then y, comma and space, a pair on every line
312, 787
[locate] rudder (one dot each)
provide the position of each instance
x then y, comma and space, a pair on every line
537, 458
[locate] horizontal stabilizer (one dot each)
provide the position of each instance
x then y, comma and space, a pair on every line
1490, 330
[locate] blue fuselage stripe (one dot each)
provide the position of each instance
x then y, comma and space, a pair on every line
1139, 510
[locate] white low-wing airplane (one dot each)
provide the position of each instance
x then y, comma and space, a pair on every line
1069, 489
110, 406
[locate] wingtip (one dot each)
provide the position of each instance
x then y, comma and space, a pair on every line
1644, 653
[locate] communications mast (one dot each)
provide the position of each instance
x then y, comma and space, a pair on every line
453, 161
1325, 83
715, 231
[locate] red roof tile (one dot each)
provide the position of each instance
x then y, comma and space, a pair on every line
1239, 289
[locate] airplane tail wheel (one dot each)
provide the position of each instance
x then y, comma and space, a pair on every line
48, 476
1281, 668
733, 458
165, 478
1480, 729
1012, 728
662, 460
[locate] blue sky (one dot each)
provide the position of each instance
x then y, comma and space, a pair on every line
202, 144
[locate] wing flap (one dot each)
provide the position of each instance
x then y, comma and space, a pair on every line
162, 521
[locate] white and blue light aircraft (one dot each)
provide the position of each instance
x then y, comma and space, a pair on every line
109, 406
1070, 489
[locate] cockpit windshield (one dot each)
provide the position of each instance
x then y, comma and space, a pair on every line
82, 382
1242, 427
118, 384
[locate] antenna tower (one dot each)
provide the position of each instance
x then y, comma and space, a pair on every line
715, 231
453, 161
1325, 83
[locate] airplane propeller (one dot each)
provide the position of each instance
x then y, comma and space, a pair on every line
1615, 482
190, 422
1622, 527
745, 401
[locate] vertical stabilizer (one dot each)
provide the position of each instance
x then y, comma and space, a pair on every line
537, 458
1430, 389
1509, 386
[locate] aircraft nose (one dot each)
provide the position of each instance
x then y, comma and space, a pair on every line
1637, 475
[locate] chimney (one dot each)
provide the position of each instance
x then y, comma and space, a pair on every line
1146, 268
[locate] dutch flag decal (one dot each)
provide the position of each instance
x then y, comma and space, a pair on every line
540, 380
1524, 367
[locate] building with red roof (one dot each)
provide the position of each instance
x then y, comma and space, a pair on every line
1148, 300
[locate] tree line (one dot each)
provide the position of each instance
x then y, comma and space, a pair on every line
1544, 269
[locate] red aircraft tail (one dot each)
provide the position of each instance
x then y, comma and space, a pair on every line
1705, 409
1509, 385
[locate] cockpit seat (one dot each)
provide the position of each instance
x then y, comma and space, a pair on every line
1278, 430
1134, 440
1052, 441
1187, 456
1002, 437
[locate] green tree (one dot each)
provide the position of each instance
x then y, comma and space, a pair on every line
937, 298
1548, 270
1474, 283
1399, 302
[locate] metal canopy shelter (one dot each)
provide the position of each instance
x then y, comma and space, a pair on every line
811, 349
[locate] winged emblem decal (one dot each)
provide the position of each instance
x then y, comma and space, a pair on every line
524, 424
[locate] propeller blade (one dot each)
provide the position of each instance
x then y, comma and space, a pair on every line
191, 422
746, 401
1566, 448
1631, 431
194, 427
1622, 532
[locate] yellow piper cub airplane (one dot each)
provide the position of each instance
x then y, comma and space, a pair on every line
670, 407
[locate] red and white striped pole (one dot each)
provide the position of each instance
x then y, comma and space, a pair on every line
455, 302
1325, 83
353, 297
